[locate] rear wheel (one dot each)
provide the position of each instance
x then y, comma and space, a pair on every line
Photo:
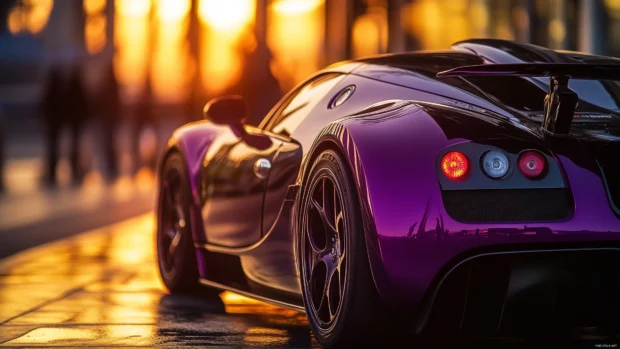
339, 294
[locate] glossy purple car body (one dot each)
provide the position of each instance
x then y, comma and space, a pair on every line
435, 246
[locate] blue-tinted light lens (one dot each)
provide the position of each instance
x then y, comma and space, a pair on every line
495, 164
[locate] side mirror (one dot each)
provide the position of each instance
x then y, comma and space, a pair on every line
232, 111
226, 110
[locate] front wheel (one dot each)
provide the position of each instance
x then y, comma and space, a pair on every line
339, 294
175, 251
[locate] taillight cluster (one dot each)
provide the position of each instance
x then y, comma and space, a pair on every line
455, 165
494, 163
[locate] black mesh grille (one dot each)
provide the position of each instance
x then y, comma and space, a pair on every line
507, 205
611, 171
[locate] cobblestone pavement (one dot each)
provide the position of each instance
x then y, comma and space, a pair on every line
101, 289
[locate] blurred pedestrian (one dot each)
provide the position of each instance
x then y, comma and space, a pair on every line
144, 117
105, 109
1, 155
63, 105
257, 84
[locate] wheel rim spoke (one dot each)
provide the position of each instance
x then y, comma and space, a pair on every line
324, 253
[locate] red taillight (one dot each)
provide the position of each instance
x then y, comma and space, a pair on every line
455, 165
532, 164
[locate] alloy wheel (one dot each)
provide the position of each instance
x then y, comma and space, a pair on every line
173, 220
323, 250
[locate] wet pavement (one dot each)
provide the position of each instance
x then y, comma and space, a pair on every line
101, 289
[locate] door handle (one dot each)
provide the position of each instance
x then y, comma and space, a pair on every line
261, 168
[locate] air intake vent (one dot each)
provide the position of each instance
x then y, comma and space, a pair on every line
522, 205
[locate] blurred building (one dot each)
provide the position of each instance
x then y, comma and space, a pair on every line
188, 51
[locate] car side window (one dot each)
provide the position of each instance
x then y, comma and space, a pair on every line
290, 114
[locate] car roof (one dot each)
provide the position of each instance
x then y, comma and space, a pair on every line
490, 51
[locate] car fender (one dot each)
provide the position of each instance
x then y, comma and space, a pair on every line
192, 141
391, 149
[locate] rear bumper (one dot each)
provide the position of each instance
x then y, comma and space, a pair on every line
414, 268
524, 293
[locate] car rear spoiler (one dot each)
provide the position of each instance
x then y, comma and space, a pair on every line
561, 101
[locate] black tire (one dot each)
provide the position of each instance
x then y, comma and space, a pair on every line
177, 266
355, 314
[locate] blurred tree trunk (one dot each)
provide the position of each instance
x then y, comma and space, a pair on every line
338, 24
109, 29
260, 23
194, 102
396, 32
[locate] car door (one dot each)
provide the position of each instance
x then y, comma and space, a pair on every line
284, 122
236, 171
233, 184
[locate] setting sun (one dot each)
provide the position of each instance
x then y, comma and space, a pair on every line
133, 8
294, 7
172, 10
230, 15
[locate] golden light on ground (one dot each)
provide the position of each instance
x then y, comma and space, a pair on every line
132, 35
225, 27
49, 335
133, 8
101, 288
226, 16
296, 41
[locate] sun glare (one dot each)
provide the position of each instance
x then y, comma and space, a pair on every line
172, 10
133, 8
295, 7
226, 16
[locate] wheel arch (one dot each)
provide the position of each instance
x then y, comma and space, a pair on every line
191, 142
336, 137
391, 154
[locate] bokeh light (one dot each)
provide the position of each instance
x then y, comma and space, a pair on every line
133, 8
226, 16
370, 33
172, 10
92, 7
295, 7
132, 37
31, 16
296, 40
171, 67
95, 34
226, 28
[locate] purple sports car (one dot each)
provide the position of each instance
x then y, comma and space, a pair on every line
469, 191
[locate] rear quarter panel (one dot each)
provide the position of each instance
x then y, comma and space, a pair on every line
410, 237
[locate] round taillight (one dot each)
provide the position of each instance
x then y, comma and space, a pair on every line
532, 164
495, 164
454, 165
